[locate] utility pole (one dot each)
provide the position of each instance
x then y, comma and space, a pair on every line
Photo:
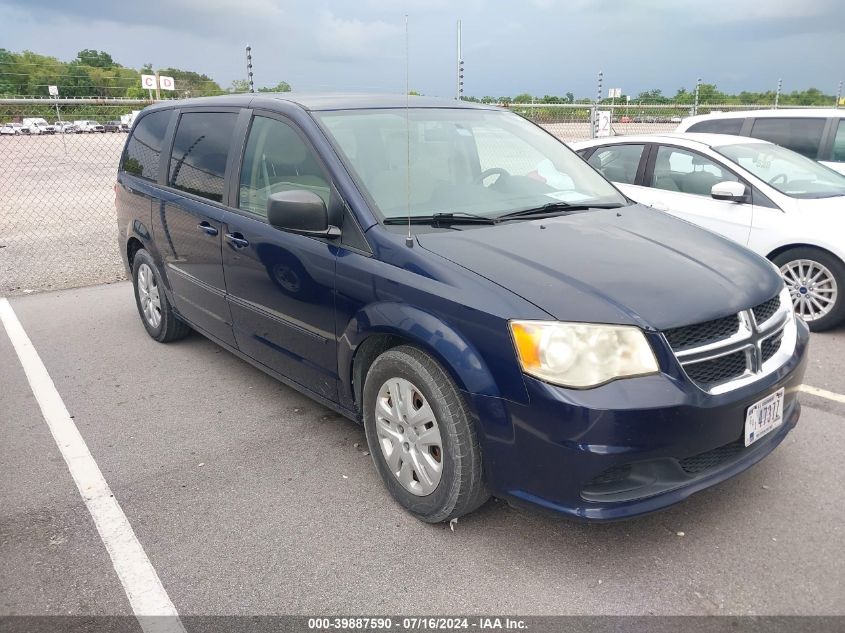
838, 95
158, 90
459, 87
697, 92
596, 106
249, 68
777, 94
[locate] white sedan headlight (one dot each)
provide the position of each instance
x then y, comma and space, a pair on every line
581, 355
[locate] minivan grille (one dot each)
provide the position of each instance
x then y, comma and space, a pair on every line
689, 336
766, 311
770, 346
715, 353
718, 370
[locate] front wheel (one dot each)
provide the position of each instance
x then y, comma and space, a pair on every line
421, 436
816, 283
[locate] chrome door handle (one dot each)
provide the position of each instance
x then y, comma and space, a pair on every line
237, 240
205, 227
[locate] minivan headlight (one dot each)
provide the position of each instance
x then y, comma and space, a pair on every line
581, 355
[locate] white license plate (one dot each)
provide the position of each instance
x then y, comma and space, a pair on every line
763, 416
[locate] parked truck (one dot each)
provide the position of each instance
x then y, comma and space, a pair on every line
37, 125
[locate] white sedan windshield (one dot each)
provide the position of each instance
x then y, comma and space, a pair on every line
785, 170
472, 161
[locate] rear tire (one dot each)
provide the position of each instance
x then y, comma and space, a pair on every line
153, 307
422, 437
816, 283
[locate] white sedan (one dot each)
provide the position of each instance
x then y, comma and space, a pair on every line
776, 202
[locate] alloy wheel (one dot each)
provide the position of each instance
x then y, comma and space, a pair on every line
812, 288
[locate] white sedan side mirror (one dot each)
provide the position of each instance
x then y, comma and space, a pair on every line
730, 191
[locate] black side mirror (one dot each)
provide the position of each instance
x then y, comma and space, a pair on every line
300, 211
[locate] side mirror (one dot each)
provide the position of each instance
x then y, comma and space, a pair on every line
730, 191
300, 211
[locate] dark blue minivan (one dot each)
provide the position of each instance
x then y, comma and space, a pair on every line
500, 318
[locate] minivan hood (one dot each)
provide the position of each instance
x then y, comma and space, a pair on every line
632, 265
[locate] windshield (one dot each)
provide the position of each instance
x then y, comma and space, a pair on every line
785, 170
480, 162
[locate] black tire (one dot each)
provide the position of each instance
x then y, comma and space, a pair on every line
836, 315
461, 487
169, 328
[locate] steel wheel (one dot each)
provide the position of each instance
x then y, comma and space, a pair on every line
148, 295
812, 287
409, 436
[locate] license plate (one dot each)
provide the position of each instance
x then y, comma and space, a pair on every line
763, 416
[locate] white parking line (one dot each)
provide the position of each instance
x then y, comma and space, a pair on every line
823, 393
137, 575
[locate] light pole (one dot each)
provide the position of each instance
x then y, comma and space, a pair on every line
697, 92
459, 87
596, 106
777, 94
249, 68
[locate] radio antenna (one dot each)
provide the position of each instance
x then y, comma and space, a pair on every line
409, 239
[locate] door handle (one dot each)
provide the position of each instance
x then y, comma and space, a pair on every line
205, 227
237, 240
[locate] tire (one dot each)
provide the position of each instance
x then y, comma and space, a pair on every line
146, 276
830, 284
460, 488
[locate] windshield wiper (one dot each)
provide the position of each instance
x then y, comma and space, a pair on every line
442, 219
554, 208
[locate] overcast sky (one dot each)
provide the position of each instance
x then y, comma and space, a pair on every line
509, 46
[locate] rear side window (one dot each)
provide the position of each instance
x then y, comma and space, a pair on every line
718, 126
838, 154
800, 135
200, 151
618, 163
140, 158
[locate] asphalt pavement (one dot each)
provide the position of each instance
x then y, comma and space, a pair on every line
249, 498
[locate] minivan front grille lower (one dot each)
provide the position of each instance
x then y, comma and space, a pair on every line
730, 351
771, 345
719, 369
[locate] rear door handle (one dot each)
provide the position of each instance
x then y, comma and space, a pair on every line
205, 227
237, 240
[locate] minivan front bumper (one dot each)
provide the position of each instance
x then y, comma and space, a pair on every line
628, 447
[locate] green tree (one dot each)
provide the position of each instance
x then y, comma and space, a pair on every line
239, 85
95, 58
653, 96
192, 84
282, 86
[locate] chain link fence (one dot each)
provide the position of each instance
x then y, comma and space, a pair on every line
57, 216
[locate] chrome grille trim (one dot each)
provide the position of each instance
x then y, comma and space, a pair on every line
749, 340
